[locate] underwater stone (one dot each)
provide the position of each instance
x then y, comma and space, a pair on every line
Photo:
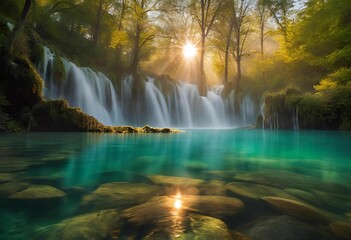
6, 177
341, 229
36, 192
177, 181
91, 226
304, 195
213, 187
255, 191
335, 200
168, 222
10, 188
284, 228
302, 211
215, 206
204, 227
118, 194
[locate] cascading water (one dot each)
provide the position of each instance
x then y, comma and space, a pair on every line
156, 103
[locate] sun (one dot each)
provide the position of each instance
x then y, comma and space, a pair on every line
189, 50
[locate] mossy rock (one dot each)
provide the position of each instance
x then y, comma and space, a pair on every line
92, 226
118, 195
58, 116
59, 72
37, 192
23, 84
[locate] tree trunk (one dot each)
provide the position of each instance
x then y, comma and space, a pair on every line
262, 24
202, 84
136, 50
98, 24
19, 26
226, 61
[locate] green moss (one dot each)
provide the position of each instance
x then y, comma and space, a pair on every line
59, 70
58, 116
23, 84
14, 126
37, 53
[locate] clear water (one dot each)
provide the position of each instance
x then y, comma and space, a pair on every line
87, 160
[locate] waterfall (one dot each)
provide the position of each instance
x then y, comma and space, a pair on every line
295, 117
157, 103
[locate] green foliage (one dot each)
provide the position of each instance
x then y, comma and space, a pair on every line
14, 126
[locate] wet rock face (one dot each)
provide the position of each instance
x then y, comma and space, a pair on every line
118, 195
285, 228
92, 226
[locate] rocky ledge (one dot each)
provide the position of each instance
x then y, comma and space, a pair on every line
56, 115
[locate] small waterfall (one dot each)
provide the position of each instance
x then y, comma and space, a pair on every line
295, 116
82, 87
156, 102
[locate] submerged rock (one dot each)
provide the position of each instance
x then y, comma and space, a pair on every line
91, 226
214, 188
255, 191
6, 177
160, 208
302, 211
341, 229
204, 227
118, 195
304, 195
215, 206
176, 181
284, 228
285, 179
335, 200
36, 192
10, 188
166, 221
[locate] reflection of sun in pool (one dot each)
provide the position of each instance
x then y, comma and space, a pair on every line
178, 201
189, 50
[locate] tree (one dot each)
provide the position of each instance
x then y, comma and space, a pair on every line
119, 36
204, 12
142, 31
241, 29
280, 10
263, 15
19, 26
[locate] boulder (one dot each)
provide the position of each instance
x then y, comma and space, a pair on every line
37, 192
341, 229
214, 188
6, 177
166, 221
10, 188
300, 210
92, 226
255, 191
335, 200
284, 228
159, 208
118, 195
175, 181
215, 206
304, 195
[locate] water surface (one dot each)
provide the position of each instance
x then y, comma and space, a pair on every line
84, 161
